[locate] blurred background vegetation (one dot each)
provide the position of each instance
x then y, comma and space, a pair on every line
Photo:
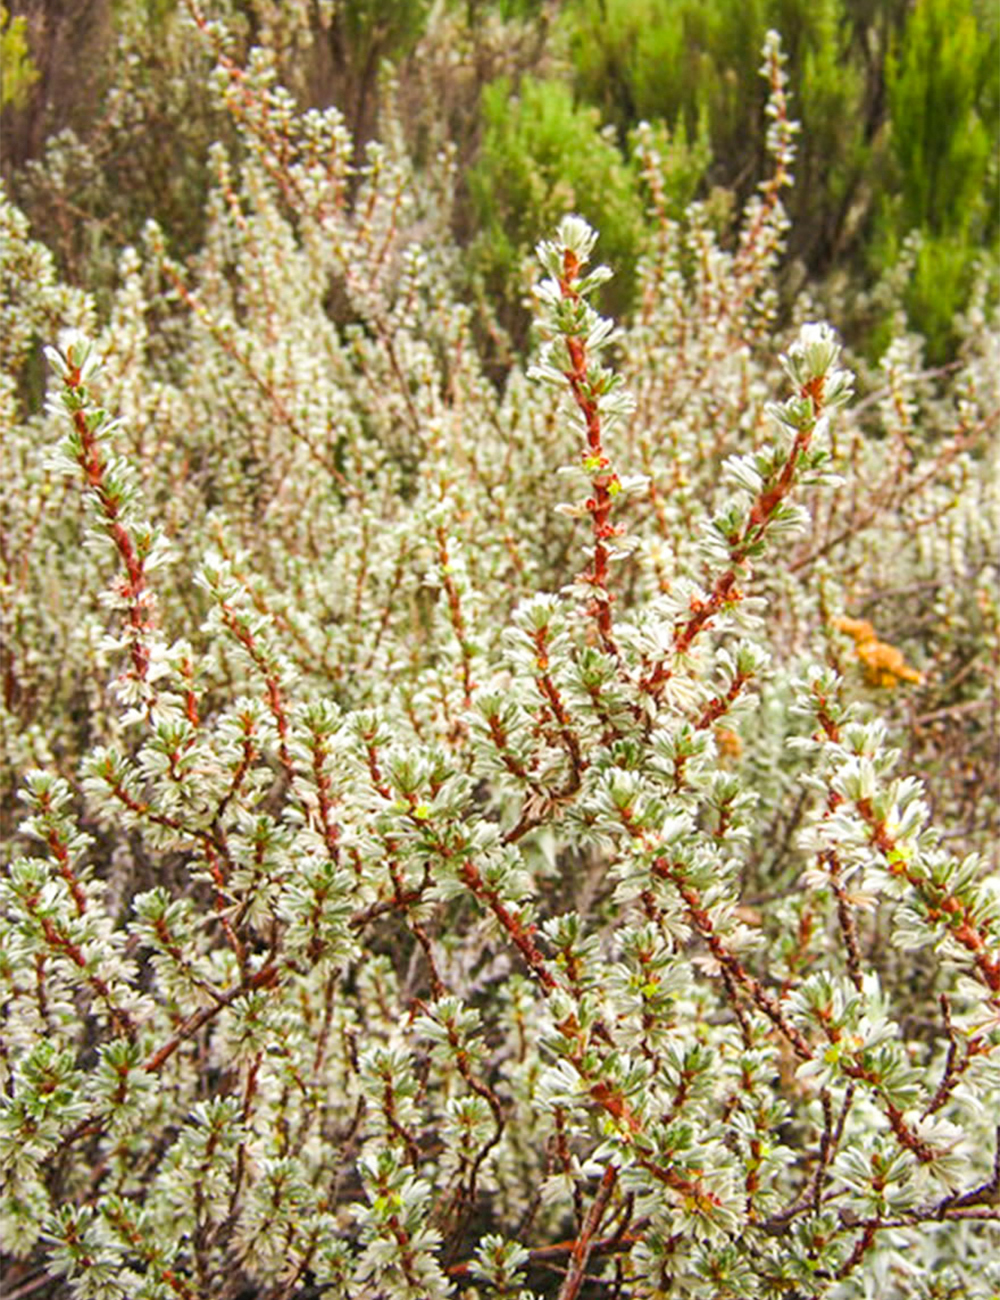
108, 113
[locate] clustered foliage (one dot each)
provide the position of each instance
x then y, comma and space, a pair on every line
464, 848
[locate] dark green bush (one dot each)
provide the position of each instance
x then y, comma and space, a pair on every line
543, 155
943, 88
900, 115
17, 72
688, 61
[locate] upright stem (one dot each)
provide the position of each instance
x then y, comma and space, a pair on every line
604, 480
584, 1243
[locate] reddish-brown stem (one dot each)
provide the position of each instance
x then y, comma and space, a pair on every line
63, 864
897, 1122
953, 1068
760, 996
725, 590
134, 583
845, 918
720, 705
59, 941
861, 1248
728, 960
438, 989
550, 692
498, 735
272, 686
306, 655
266, 977
374, 768
324, 798
455, 612
521, 936
599, 504
753, 257
481, 1089
584, 1244
213, 847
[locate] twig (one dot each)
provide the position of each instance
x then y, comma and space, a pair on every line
584, 1244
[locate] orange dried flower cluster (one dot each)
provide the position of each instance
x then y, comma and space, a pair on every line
729, 743
884, 665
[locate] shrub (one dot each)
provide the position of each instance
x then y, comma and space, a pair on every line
462, 853
541, 157
17, 72
942, 88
